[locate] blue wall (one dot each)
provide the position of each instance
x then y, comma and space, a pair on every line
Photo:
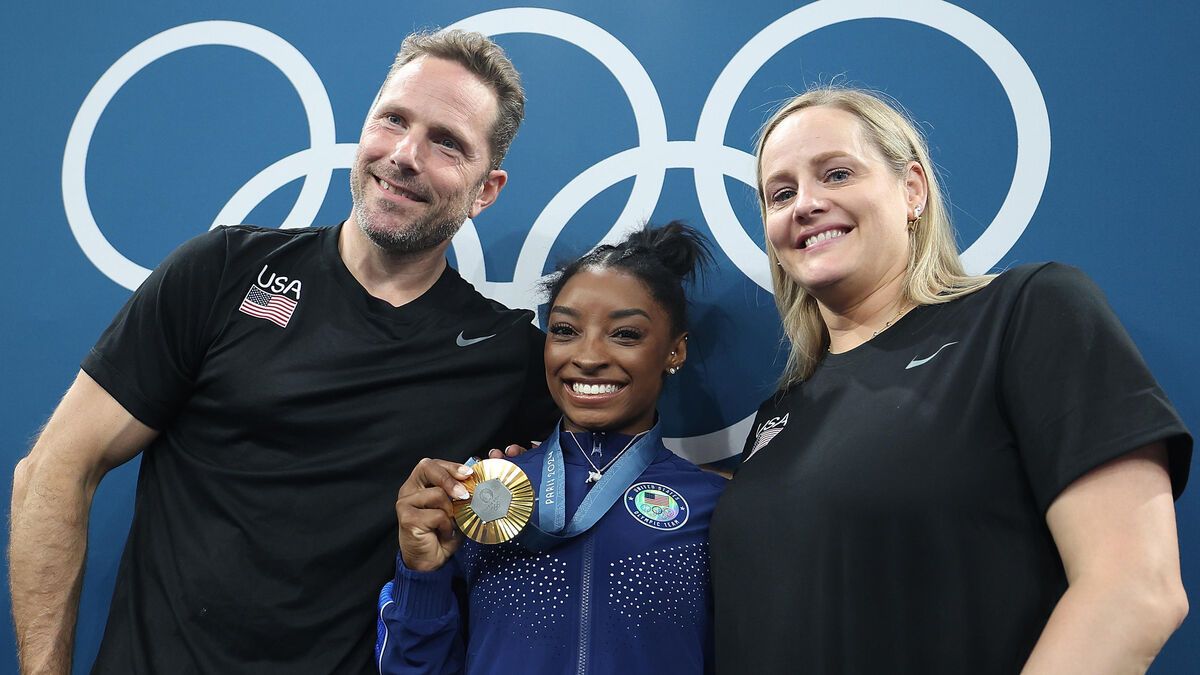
119, 149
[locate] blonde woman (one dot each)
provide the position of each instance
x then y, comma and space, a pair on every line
958, 474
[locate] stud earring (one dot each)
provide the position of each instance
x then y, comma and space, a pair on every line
916, 221
672, 370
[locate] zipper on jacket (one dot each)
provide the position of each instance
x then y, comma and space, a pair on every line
585, 607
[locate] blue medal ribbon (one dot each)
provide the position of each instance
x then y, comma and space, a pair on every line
552, 528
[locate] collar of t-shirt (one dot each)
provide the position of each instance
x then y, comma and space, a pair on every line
439, 296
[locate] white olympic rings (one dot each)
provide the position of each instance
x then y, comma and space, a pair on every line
1024, 94
266, 44
647, 162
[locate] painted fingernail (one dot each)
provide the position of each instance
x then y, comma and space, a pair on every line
465, 471
460, 492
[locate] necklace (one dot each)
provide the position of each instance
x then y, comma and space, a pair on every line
598, 472
903, 310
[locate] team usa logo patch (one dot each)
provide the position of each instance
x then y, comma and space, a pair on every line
657, 506
273, 299
766, 432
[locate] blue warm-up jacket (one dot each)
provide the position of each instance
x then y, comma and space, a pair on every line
629, 595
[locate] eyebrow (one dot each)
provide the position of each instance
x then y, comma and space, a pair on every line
624, 313
616, 314
833, 154
457, 133
815, 161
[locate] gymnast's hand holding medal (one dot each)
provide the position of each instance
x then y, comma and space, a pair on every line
425, 513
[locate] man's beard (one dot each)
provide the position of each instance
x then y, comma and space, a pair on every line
437, 226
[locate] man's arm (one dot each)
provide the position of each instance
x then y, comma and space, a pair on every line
88, 434
1115, 530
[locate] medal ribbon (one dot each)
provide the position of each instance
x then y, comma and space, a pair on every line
551, 528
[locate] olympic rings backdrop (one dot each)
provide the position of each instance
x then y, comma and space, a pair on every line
1062, 131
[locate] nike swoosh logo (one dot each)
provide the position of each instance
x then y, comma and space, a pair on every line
462, 341
920, 362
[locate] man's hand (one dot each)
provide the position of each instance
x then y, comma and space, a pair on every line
425, 513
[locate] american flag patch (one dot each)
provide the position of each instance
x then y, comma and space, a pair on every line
274, 308
657, 499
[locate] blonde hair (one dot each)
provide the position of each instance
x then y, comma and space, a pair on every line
934, 273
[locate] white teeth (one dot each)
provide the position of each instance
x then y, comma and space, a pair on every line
594, 389
396, 191
824, 236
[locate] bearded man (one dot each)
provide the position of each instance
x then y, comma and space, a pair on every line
280, 385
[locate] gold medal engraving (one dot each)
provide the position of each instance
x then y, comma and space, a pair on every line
501, 502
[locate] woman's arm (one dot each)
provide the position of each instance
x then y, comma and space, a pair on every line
419, 623
1115, 530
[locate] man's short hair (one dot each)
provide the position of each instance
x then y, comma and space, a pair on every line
487, 61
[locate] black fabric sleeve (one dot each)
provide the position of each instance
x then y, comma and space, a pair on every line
533, 415
537, 413
1076, 391
149, 356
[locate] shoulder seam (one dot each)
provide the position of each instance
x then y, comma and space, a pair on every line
207, 331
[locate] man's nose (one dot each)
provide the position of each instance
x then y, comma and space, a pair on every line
407, 153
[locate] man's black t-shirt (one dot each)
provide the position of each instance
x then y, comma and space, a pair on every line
291, 406
890, 513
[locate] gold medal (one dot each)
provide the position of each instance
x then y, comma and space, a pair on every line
500, 504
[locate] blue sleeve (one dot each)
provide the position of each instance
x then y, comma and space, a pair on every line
419, 624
